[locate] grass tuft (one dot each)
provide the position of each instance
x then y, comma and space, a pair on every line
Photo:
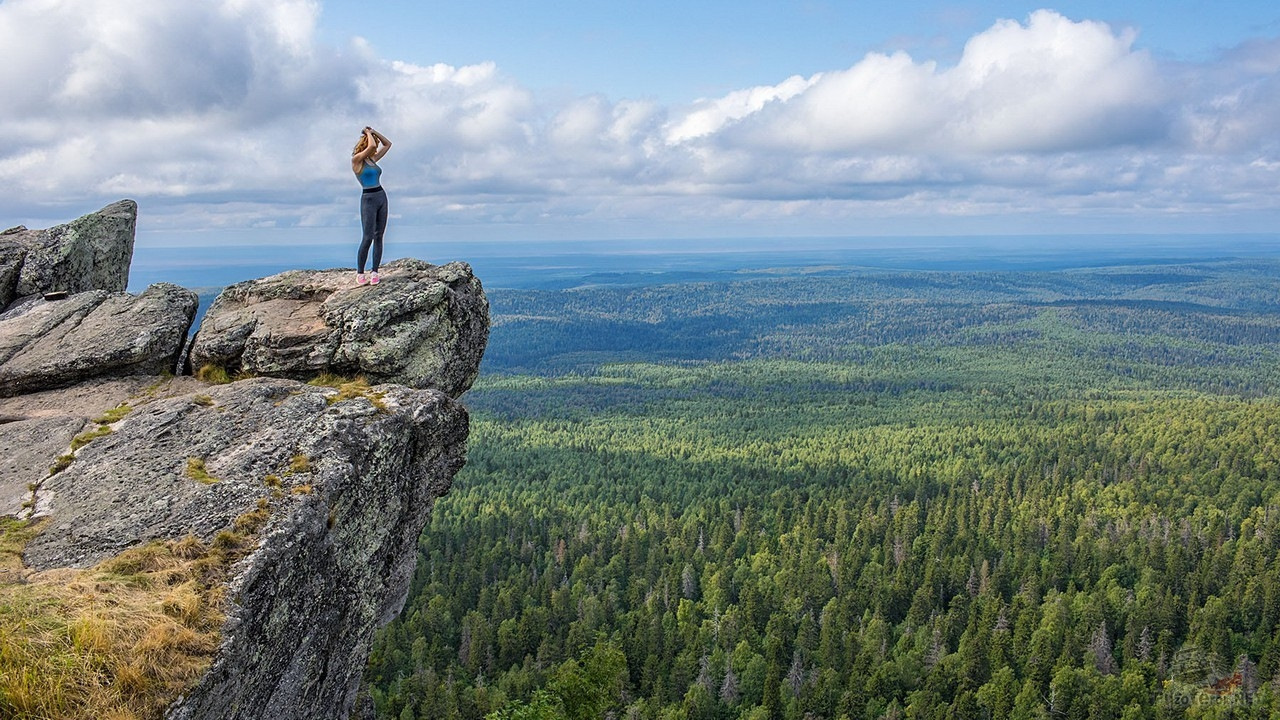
327, 379
114, 415
349, 389
202, 400
189, 548
14, 535
89, 436
62, 463
213, 374
251, 522
197, 471
227, 541
299, 464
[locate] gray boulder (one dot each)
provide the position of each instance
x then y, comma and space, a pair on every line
46, 344
91, 253
349, 485
424, 326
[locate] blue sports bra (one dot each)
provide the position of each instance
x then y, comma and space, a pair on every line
370, 176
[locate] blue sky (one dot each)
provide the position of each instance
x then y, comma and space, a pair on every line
580, 120
675, 51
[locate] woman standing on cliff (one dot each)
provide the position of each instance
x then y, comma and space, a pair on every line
373, 203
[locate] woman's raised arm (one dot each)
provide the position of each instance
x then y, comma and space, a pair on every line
383, 145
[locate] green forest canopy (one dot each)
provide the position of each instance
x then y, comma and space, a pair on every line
862, 494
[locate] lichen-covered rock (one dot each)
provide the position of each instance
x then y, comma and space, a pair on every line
12, 254
52, 343
111, 458
349, 483
33, 446
37, 428
91, 253
424, 326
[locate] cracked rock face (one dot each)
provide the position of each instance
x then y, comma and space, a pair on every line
339, 565
52, 343
36, 429
350, 484
424, 326
11, 256
34, 445
91, 253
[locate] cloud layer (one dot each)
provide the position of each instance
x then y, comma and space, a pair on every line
231, 113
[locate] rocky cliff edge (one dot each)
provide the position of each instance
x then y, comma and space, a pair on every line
321, 461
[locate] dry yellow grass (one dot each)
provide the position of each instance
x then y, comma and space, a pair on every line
299, 464
350, 388
120, 640
213, 374
197, 471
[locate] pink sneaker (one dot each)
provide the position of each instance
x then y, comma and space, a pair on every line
373, 279
360, 279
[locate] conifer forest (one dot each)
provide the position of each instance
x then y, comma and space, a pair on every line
839, 492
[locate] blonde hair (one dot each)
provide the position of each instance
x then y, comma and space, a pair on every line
361, 145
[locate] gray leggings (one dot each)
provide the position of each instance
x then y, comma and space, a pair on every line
373, 218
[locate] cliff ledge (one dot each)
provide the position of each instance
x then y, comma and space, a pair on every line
305, 455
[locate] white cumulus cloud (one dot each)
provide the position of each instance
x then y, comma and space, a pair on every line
234, 113
708, 116
1049, 85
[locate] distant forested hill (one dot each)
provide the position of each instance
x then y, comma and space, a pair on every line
864, 494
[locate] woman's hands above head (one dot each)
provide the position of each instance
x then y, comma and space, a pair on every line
383, 143
375, 147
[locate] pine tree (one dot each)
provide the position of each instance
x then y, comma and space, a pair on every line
1100, 649
729, 694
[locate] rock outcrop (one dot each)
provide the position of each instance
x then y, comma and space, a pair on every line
350, 484
91, 253
422, 326
11, 256
52, 343
346, 474
38, 428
